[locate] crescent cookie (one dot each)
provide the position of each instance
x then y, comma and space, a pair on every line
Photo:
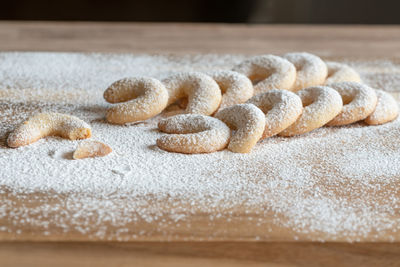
203, 93
311, 70
144, 98
193, 133
49, 124
268, 72
359, 102
91, 149
236, 88
282, 108
247, 121
386, 109
320, 105
339, 72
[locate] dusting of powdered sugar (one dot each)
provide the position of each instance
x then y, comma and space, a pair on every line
248, 121
334, 183
310, 69
268, 72
202, 92
321, 104
45, 124
235, 87
193, 133
339, 72
386, 108
359, 101
281, 108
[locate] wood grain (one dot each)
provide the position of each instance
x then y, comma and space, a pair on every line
338, 41
198, 254
353, 41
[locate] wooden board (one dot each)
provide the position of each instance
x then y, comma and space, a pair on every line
325, 40
339, 41
109, 212
198, 254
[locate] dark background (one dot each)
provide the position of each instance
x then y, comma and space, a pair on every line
233, 11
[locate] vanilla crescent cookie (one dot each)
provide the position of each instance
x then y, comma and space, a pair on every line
236, 88
91, 149
49, 124
193, 133
247, 121
320, 105
311, 70
385, 111
282, 108
359, 101
144, 98
203, 93
268, 72
339, 72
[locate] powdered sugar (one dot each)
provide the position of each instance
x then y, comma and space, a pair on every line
203, 93
338, 183
268, 72
386, 109
48, 124
236, 87
193, 133
321, 104
359, 101
338, 72
281, 108
144, 98
310, 69
249, 123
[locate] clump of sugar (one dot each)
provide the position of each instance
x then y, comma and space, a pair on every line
335, 183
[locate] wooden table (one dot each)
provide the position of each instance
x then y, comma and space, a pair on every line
339, 41
353, 41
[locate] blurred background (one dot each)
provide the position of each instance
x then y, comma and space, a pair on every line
233, 11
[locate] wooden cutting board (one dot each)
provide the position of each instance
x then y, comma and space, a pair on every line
331, 42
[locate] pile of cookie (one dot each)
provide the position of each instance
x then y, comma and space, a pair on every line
263, 96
